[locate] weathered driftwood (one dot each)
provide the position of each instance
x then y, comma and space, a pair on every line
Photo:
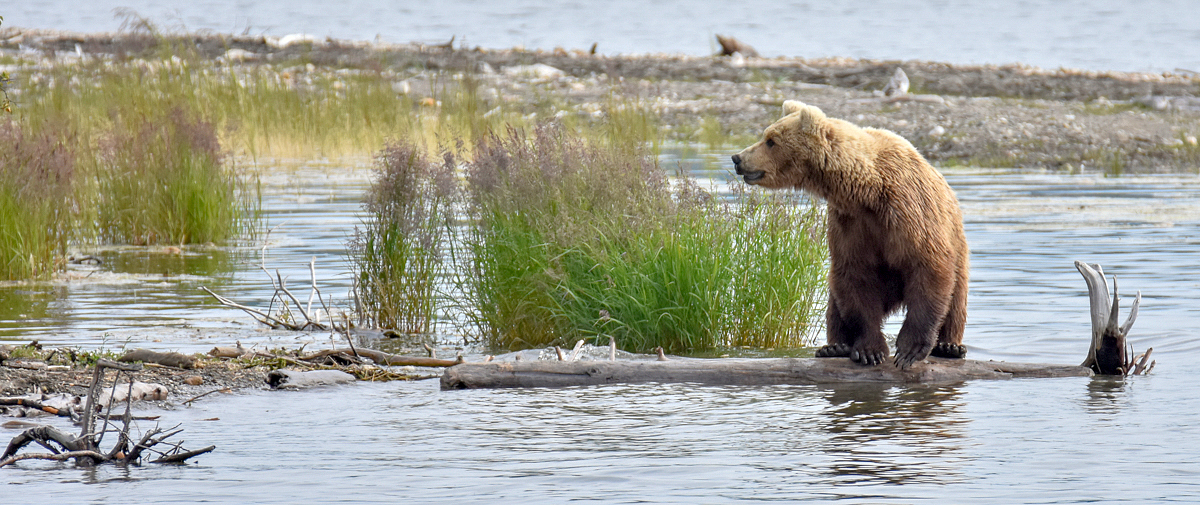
171, 359
298, 379
519, 374
1106, 355
384, 358
286, 318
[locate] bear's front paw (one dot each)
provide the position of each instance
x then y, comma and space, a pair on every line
869, 357
869, 354
945, 350
834, 351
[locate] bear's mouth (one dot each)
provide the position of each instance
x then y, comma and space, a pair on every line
753, 177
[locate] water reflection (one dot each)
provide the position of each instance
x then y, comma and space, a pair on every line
1106, 394
24, 305
887, 435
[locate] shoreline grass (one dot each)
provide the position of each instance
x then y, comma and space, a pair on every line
581, 239
396, 255
37, 185
162, 180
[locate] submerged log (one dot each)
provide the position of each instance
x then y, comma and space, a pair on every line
745, 372
1106, 355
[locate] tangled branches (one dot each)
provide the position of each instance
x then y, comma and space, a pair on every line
96, 421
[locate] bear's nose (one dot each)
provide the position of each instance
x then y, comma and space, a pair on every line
737, 163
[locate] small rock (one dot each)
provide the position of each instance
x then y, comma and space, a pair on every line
937, 131
239, 55
1190, 139
1154, 102
539, 71
194, 380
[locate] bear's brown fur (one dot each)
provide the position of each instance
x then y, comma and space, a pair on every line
894, 229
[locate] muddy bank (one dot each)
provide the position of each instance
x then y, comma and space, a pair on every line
992, 116
30, 369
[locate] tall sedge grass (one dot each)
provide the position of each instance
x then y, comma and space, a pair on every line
37, 178
397, 254
163, 180
265, 110
576, 239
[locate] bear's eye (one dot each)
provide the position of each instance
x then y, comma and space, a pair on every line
770, 142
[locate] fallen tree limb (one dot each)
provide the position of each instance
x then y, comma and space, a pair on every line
171, 359
745, 372
384, 358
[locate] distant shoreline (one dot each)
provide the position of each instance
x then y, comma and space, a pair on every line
988, 115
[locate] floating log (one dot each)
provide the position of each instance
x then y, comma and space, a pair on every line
743, 372
1106, 355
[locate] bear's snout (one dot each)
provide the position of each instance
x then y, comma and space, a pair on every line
750, 176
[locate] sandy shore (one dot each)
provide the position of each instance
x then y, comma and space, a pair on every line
990, 116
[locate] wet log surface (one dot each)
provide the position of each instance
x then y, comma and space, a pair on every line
769, 371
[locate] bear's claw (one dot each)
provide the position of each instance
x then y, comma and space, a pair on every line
945, 350
906, 358
834, 351
869, 358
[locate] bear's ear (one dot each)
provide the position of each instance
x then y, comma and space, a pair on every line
790, 106
811, 112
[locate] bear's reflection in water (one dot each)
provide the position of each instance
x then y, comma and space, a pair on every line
878, 434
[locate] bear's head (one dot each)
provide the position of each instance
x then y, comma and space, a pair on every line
790, 150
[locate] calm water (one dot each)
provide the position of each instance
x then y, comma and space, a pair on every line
1156, 35
1023, 441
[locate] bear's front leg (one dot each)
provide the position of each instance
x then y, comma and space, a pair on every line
918, 334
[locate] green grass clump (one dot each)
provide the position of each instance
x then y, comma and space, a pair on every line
586, 240
397, 254
163, 180
37, 177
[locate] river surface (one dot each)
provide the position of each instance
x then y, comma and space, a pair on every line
1074, 440
1148, 35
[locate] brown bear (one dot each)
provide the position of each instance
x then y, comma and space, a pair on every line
894, 229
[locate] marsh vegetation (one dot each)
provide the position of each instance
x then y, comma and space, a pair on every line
539, 221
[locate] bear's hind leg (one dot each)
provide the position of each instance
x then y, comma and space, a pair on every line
840, 334
950, 335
